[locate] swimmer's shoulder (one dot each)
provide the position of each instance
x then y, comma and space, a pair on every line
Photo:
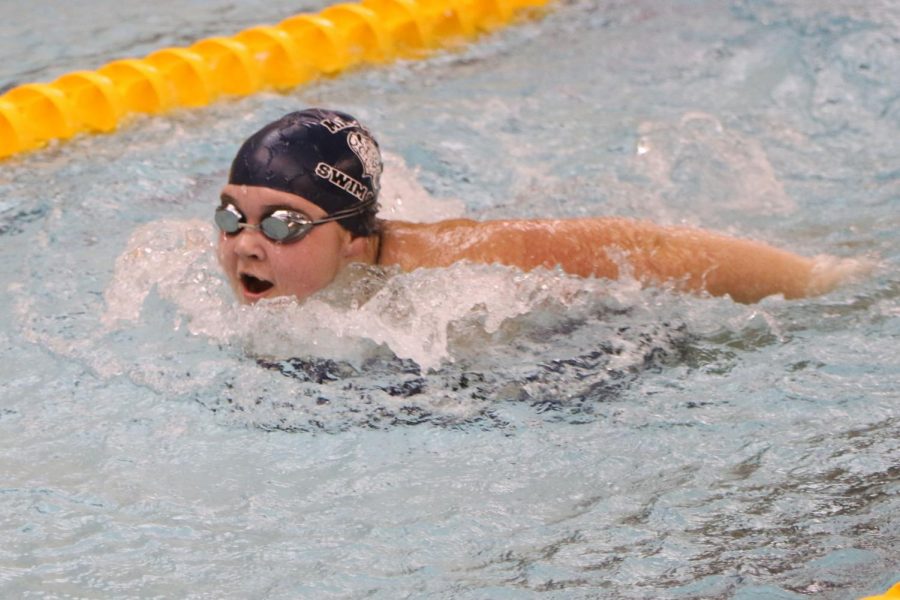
526, 243
414, 245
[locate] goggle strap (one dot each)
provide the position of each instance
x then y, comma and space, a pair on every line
347, 212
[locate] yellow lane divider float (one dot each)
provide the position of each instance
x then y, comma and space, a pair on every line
282, 56
891, 594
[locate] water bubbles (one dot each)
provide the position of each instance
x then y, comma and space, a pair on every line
171, 256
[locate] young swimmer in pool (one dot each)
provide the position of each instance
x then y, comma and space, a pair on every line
301, 203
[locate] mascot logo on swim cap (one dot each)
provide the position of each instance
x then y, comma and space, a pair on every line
336, 123
367, 152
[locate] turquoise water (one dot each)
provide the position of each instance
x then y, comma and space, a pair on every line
472, 432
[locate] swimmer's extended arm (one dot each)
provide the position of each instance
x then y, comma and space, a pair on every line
693, 259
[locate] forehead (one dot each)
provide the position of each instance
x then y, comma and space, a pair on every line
251, 199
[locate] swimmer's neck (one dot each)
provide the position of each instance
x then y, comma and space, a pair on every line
371, 255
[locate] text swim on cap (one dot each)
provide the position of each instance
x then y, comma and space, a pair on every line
325, 156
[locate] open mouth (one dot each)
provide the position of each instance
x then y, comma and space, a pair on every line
254, 285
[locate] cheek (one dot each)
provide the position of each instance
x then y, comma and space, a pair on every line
306, 270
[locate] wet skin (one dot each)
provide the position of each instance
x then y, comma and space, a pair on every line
258, 268
691, 259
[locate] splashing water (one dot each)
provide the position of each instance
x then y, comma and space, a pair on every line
477, 431
441, 321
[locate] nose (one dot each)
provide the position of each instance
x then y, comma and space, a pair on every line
250, 244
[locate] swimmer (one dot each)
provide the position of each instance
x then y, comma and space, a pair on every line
301, 205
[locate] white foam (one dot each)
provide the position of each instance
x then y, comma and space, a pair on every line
403, 198
175, 257
830, 272
426, 315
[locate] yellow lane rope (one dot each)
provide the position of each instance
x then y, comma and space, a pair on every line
295, 51
891, 594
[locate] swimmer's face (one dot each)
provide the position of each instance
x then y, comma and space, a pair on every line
258, 268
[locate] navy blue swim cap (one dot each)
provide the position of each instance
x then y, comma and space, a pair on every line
325, 156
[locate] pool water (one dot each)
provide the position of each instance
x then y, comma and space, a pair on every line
470, 432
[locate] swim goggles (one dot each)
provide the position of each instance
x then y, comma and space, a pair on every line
282, 226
